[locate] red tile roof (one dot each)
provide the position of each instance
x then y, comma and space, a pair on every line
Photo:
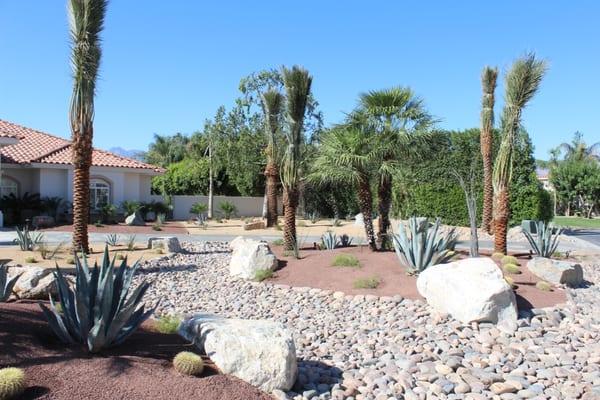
40, 147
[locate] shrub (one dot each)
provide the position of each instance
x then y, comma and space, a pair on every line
277, 242
168, 324
228, 209
336, 222
70, 260
423, 246
98, 312
198, 208
188, 363
131, 242
48, 253
367, 283
329, 240
12, 383
112, 239
108, 213
6, 285
27, 240
156, 227
301, 224
509, 260
30, 259
512, 269
263, 274
543, 285
130, 206
546, 240
345, 260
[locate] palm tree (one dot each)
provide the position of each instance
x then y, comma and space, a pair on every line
297, 82
394, 114
346, 156
488, 83
272, 102
522, 82
86, 20
578, 150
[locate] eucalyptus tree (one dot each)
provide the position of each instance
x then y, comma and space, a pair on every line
346, 156
522, 82
488, 83
272, 101
395, 115
297, 82
86, 20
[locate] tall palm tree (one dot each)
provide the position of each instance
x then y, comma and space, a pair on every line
346, 156
394, 114
522, 82
86, 20
488, 83
297, 82
578, 150
272, 102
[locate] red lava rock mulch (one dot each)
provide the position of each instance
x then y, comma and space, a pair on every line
168, 227
314, 269
138, 369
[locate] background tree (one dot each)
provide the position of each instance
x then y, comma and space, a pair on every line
297, 82
272, 102
394, 114
488, 83
165, 150
579, 150
577, 185
86, 20
522, 82
345, 157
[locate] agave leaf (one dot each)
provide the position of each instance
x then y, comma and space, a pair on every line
56, 324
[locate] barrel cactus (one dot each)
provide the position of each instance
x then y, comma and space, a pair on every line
12, 383
188, 363
100, 311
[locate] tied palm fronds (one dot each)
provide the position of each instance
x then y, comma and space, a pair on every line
522, 82
99, 312
546, 242
6, 285
424, 245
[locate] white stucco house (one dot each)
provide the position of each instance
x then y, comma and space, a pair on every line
37, 162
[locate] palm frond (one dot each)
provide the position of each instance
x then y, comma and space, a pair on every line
272, 102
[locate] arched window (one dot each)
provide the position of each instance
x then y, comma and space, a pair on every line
99, 193
8, 186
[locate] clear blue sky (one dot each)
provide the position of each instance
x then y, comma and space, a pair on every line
168, 65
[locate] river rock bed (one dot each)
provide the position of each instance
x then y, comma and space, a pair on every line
369, 347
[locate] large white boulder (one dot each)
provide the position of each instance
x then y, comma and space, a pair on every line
259, 352
250, 256
35, 283
556, 271
169, 244
471, 290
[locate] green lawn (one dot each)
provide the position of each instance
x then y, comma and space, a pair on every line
577, 222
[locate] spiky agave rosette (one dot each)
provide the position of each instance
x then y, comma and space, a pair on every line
99, 311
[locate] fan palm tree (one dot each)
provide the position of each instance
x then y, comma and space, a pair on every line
272, 102
346, 156
394, 115
488, 83
522, 82
578, 150
297, 82
86, 20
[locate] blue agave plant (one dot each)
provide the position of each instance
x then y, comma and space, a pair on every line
99, 312
547, 239
329, 240
6, 285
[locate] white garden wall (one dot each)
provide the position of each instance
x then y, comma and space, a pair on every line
246, 206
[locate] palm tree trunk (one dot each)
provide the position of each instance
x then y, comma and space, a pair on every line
385, 203
210, 184
488, 188
290, 201
365, 202
501, 214
82, 160
272, 178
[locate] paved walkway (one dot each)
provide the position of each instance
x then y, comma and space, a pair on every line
593, 238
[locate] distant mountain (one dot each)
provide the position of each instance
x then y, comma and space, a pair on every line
135, 154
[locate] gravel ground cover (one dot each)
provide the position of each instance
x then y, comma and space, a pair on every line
389, 347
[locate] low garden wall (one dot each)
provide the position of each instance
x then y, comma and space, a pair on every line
246, 206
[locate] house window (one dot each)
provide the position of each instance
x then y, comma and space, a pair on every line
99, 194
8, 186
